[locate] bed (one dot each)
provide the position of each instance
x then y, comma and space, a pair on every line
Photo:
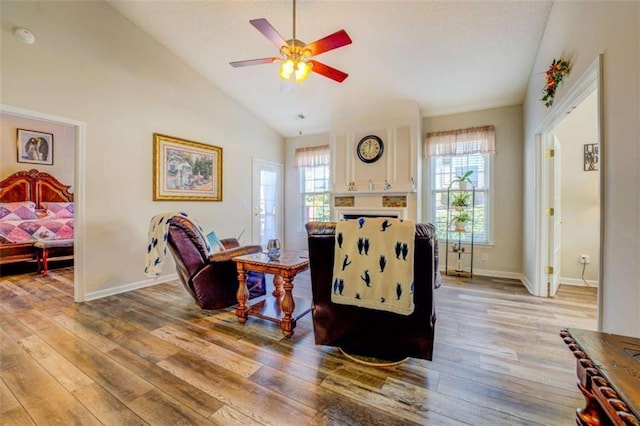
34, 206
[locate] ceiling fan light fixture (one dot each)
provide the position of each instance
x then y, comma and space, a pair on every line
286, 69
303, 69
296, 56
300, 70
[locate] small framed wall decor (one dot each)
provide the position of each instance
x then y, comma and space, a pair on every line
591, 157
35, 147
186, 170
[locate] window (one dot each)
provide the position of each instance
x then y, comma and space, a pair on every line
313, 170
443, 171
451, 154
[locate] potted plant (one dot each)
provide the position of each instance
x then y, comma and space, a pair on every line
461, 200
462, 180
460, 220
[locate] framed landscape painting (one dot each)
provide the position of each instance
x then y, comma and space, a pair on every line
35, 147
186, 170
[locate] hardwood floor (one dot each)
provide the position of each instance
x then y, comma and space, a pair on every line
152, 356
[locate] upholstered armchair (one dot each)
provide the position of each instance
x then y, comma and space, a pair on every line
211, 279
369, 332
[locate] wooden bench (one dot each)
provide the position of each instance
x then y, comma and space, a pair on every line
52, 248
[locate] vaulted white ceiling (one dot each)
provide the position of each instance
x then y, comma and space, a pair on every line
447, 56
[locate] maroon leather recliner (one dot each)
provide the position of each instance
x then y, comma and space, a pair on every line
369, 332
212, 280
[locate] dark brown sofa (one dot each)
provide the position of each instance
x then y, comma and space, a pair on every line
368, 332
212, 280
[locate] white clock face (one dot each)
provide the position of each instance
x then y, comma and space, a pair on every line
370, 149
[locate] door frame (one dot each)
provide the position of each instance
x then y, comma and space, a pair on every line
78, 189
591, 80
257, 164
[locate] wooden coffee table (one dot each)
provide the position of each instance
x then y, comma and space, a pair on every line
281, 307
608, 370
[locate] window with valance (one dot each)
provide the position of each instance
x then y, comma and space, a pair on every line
313, 170
451, 153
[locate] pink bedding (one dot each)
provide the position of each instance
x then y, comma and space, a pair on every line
21, 231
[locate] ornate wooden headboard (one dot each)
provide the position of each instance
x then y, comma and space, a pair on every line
33, 185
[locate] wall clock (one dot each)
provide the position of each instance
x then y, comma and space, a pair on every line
370, 149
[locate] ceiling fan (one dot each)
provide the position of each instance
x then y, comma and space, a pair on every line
295, 55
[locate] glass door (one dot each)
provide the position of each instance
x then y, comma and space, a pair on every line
267, 201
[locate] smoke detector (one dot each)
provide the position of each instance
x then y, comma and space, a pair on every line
24, 35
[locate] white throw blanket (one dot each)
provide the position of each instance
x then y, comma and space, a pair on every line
157, 246
373, 264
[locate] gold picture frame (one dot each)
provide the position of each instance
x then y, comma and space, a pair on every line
184, 170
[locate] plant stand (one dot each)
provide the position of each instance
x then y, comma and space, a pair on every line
455, 248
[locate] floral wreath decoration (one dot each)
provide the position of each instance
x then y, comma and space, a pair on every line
557, 71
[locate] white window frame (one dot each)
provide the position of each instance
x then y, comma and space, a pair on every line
486, 189
311, 162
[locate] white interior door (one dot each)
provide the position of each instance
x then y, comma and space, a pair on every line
267, 201
555, 228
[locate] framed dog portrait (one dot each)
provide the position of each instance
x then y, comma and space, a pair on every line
35, 147
186, 170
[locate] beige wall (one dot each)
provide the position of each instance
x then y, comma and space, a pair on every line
92, 65
63, 147
580, 193
580, 31
505, 254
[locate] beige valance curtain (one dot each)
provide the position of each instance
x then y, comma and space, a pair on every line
312, 156
474, 140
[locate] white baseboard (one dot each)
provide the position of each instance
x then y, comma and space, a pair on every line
503, 274
528, 284
500, 274
482, 272
129, 287
497, 274
525, 281
577, 281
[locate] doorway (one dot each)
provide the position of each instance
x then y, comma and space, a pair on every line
569, 194
78, 186
267, 201
579, 195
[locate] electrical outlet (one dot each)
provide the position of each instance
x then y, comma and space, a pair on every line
584, 259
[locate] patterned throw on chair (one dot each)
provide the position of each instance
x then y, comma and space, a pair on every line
157, 237
373, 265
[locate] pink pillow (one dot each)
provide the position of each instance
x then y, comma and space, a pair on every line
59, 210
19, 210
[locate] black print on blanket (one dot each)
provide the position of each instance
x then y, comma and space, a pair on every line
373, 264
157, 240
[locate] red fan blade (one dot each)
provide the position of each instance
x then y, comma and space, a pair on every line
328, 71
268, 31
260, 61
330, 42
